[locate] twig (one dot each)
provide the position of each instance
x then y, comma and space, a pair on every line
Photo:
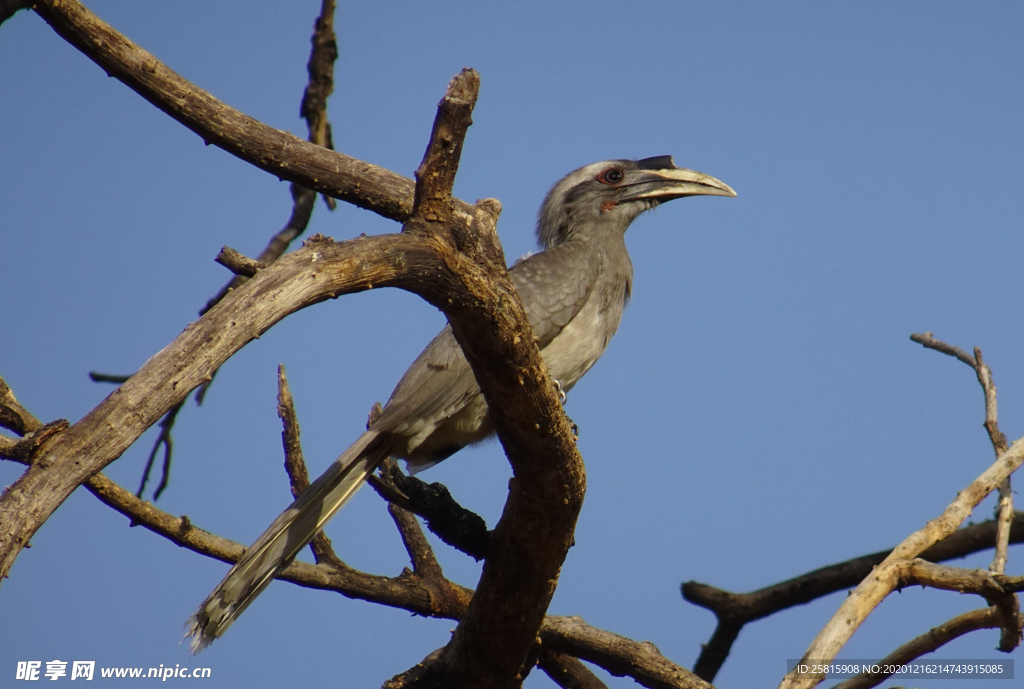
1004, 511
314, 110
237, 263
997, 589
734, 610
935, 638
321, 81
421, 555
354, 181
403, 592
870, 592
163, 438
295, 465
13, 416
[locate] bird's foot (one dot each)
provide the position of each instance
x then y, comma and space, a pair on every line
575, 429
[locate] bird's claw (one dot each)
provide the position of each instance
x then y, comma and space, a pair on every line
561, 393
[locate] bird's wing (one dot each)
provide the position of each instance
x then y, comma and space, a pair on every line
554, 285
437, 384
440, 381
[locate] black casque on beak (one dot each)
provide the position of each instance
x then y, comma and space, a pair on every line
658, 179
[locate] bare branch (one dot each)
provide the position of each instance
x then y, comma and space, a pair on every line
279, 153
985, 618
321, 80
997, 589
25, 450
295, 465
927, 340
644, 661
13, 416
314, 110
567, 672
999, 445
870, 592
163, 438
404, 591
237, 263
734, 610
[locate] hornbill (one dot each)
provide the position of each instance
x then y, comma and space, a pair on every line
574, 291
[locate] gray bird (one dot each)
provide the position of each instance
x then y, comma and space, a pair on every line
574, 291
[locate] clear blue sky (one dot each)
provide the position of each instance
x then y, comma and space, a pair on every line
760, 413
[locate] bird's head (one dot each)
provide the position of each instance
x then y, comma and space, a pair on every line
612, 193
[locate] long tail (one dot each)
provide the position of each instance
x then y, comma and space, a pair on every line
282, 541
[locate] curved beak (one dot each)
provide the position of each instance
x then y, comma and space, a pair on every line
665, 181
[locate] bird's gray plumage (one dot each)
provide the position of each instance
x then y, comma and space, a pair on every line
574, 292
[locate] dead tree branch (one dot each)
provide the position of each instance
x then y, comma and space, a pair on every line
295, 465
13, 416
567, 672
935, 638
870, 592
456, 265
645, 664
1004, 511
279, 153
404, 592
734, 610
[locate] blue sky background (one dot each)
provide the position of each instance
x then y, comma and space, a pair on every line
760, 413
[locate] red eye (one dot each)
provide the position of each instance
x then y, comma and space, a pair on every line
612, 175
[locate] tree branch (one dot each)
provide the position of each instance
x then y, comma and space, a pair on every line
279, 153
13, 416
985, 618
734, 610
405, 592
618, 655
567, 672
1004, 511
870, 592
295, 465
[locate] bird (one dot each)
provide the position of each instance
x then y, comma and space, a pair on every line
574, 291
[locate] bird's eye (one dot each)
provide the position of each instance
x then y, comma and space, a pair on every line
612, 175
